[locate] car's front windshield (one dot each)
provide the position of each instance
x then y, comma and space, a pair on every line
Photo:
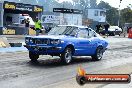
61, 30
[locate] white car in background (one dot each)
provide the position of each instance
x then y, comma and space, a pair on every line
113, 30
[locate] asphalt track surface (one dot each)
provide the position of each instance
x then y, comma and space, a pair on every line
17, 71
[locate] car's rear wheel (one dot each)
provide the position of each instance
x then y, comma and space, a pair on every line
66, 56
98, 55
33, 56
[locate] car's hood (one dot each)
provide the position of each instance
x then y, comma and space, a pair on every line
52, 36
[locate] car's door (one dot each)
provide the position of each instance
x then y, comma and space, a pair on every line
94, 40
83, 43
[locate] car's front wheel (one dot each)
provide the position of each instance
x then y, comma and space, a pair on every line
33, 56
98, 54
66, 56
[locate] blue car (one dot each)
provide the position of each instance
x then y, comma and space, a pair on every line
67, 41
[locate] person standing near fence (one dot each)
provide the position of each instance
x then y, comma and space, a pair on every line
26, 31
98, 28
38, 26
124, 31
106, 26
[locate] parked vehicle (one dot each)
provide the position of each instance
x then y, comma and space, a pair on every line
18, 19
67, 41
113, 30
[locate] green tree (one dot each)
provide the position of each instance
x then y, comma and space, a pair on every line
93, 3
126, 15
112, 16
84, 5
103, 5
111, 12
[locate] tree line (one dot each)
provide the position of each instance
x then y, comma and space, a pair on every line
112, 14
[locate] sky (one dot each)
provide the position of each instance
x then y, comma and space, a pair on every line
63, 0
115, 3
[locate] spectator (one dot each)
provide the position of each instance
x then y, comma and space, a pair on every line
26, 26
98, 28
38, 26
106, 26
124, 31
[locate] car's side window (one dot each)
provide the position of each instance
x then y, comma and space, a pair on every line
91, 33
83, 33
74, 31
68, 30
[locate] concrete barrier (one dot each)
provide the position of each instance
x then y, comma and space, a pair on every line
4, 42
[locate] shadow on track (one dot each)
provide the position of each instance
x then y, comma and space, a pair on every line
49, 63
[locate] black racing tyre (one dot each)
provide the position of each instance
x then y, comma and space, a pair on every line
119, 34
66, 56
113, 33
98, 55
33, 56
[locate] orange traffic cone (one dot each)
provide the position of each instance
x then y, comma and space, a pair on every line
130, 33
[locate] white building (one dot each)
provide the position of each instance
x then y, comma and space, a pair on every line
71, 19
98, 15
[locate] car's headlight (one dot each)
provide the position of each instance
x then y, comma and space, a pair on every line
26, 40
51, 41
55, 41
31, 40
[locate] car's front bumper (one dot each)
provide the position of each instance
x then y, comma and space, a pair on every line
43, 50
